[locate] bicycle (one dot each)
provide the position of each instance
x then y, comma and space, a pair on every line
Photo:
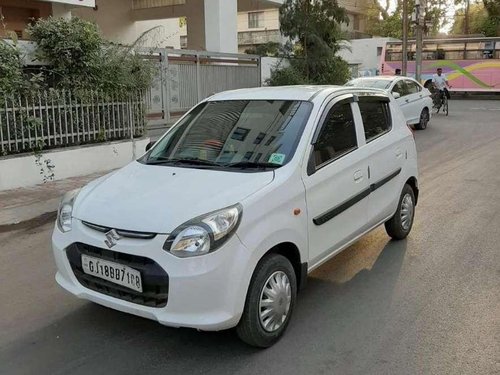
441, 101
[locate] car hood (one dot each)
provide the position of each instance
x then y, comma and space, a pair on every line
153, 198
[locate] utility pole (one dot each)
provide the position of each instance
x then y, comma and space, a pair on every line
419, 20
405, 39
466, 20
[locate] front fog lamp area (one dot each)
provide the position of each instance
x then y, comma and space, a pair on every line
204, 234
65, 212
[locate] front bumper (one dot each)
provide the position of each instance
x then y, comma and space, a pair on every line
206, 292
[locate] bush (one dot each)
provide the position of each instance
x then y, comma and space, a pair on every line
79, 58
331, 71
335, 72
71, 48
284, 76
11, 68
121, 69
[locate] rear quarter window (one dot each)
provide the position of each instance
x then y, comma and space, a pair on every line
376, 115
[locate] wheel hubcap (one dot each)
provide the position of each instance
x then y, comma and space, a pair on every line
423, 120
406, 211
275, 300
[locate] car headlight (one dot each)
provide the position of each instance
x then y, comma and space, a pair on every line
65, 212
204, 234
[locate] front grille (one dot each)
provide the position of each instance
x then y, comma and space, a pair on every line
154, 278
121, 232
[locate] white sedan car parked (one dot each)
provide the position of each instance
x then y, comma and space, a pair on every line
414, 99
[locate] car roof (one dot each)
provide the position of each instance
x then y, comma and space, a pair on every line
384, 78
300, 92
379, 78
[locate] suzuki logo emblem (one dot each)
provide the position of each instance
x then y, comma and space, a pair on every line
112, 237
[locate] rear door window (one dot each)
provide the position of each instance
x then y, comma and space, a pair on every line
413, 87
400, 88
376, 115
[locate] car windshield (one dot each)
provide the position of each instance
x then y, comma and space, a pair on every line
375, 83
234, 135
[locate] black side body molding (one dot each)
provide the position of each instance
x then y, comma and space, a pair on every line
330, 214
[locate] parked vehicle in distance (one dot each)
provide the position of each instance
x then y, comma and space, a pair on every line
471, 64
219, 223
415, 100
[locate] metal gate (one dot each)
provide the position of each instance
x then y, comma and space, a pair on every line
185, 77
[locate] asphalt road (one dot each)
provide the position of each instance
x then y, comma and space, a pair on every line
426, 305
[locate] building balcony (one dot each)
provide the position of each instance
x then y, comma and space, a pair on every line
358, 35
252, 38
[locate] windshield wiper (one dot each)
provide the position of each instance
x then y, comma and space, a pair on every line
252, 164
191, 161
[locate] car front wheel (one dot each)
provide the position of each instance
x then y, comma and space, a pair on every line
399, 226
270, 302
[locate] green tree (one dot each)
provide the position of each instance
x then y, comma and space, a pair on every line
479, 21
437, 16
314, 28
380, 22
493, 9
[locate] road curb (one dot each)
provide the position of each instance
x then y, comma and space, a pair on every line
29, 223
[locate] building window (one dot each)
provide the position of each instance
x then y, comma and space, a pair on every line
270, 140
184, 41
355, 22
255, 20
240, 134
379, 51
259, 138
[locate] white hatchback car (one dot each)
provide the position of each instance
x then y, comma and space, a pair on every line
413, 98
219, 223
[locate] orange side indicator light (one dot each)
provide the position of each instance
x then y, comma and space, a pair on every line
297, 211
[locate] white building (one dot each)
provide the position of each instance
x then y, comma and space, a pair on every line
17, 14
364, 55
212, 24
115, 20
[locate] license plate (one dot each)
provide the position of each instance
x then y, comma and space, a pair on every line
113, 272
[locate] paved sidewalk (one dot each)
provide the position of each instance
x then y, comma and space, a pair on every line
25, 204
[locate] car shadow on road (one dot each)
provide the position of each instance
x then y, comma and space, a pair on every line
334, 314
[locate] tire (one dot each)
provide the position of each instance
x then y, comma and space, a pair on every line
251, 328
424, 120
396, 227
445, 107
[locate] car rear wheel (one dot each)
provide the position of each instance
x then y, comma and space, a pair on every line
424, 120
399, 226
270, 302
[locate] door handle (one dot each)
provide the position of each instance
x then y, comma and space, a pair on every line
358, 176
398, 153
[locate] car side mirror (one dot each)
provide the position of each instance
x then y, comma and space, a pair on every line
396, 95
149, 145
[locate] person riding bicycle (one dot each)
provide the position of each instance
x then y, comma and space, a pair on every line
441, 84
